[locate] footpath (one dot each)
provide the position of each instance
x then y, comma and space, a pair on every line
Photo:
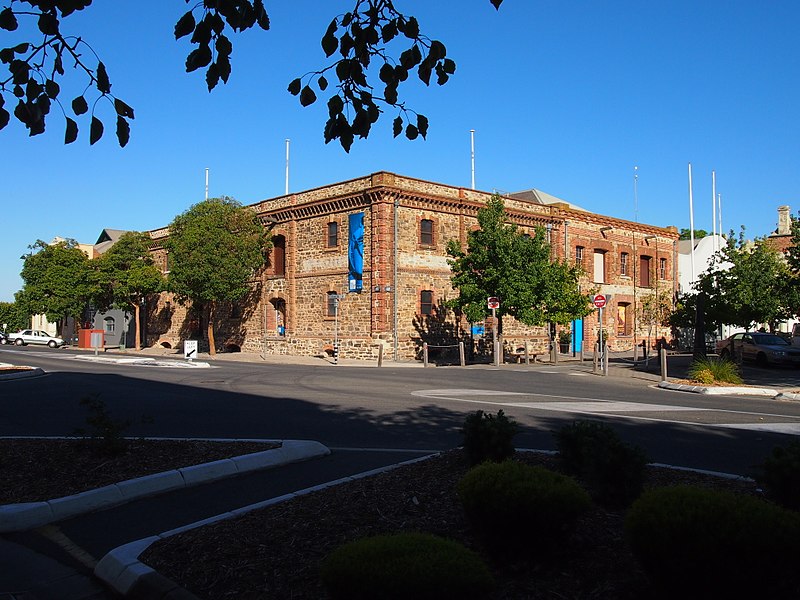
86, 547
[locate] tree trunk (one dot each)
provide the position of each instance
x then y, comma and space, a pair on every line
138, 329
212, 348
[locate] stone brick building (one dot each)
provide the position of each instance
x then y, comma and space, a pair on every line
364, 263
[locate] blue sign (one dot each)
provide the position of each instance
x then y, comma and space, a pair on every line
355, 253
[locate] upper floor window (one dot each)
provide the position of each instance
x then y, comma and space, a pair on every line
333, 234
426, 232
279, 255
426, 302
623, 264
662, 268
578, 254
644, 271
599, 266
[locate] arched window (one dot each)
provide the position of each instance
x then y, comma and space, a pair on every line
109, 324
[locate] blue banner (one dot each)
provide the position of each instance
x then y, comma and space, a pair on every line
355, 253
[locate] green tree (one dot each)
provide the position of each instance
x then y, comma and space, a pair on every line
125, 274
686, 234
502, 262
56, 281
215, 249
354, 42
12, 315
748, 283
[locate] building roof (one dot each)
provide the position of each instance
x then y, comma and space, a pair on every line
108, 237
539, 197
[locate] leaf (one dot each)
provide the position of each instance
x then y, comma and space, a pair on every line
411, 29
48, 24
411, 132
212, 76
185, 25
79, 105
103, 84
123, 132
397, 126
437, 50
123, 109
51, 88
329, 42
72, 131
261, 15
198, 58
422, 125
322, 83
21, 48
389, 31
335, 106
223, 46
496, 3
4, 117
307, 96
7, 20
95, 131
294, 87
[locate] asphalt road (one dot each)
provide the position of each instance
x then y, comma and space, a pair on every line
392, 407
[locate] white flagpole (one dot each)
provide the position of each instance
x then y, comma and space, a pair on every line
714, 207
719, 212
206, 183
287, 166
472, 154
691, 220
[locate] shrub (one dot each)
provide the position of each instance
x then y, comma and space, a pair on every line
695, 542
519, 507
613, 470
712, 370
487, 437
105, 432
779, 474
405, 565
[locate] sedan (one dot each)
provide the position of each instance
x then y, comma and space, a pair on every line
763, 348
34, 336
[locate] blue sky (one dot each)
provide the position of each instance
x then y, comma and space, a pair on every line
564, 96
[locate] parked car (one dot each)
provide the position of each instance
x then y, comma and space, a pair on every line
34, 336
763, 348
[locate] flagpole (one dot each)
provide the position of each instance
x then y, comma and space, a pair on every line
691, 220
714, 207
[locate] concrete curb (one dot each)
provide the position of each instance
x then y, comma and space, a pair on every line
29, 515
722, 391
146, 362
122, 570
30, 372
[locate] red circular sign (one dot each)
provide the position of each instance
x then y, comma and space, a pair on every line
599, 300
493, 302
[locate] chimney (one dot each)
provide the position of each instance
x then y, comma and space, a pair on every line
784, 222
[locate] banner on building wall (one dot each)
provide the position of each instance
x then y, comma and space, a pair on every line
355, 253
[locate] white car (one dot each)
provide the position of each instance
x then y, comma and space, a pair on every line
34, 336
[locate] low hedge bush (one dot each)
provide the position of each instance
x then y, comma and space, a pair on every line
779, 474
712, 370
702, 543
403, 566
518, 507
613, 470
488, 437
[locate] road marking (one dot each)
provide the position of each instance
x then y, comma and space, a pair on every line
613, 408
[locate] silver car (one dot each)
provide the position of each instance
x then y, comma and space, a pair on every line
34, 336
763, 348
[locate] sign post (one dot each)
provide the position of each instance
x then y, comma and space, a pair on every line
494, 303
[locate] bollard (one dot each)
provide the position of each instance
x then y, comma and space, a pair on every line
527, 354
605, 360
595, 356
336, 353
461, 356
425, 354
663, 364
380, 355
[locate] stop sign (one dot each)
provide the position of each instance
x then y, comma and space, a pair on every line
599, 300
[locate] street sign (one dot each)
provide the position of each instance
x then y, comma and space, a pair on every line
190, 349
599, 300
493, 302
